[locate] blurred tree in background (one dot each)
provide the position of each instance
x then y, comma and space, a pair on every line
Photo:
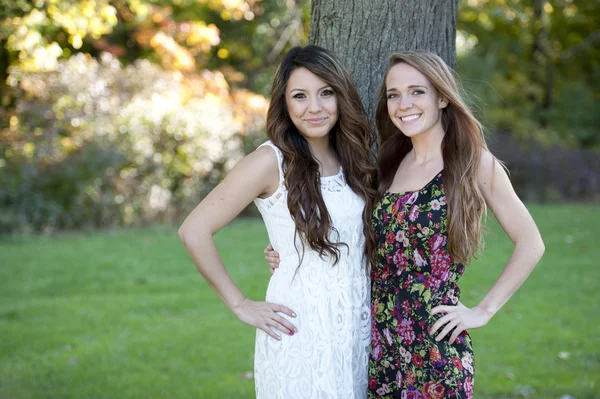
129, 111
121, 112
536, 65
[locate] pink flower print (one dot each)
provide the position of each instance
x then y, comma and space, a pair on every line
440, 265
399, 378
452, 297
437, 241
383, 390
406, 306
377, 352
411, 395
467, 362
401, 237
413, 198
406, 355
419, 259
468, 386
435, 205
401, 261
406, 332
414, 213
442, 200
388, 336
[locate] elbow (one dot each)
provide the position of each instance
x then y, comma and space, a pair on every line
190, 233
542, 247
184, 233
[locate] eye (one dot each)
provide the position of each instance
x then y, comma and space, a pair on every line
391, 96
418, 92
299, 96
327, 93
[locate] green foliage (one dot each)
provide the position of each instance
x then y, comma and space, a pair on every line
95, 144
126, 315
534, 65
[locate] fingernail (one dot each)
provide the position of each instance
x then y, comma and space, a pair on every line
295, 330
293, 314
291, 333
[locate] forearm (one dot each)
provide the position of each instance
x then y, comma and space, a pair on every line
523, 260
203, 251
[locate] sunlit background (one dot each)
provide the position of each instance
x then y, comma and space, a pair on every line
118, 116
129, 111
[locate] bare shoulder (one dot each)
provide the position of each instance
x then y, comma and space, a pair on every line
489, 168
263, 165
492, 177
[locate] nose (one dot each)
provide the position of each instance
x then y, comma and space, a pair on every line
405, 103
315, 105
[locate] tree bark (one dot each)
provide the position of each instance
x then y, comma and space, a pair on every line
364, 33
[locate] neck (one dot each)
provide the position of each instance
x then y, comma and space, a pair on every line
427, 146
320, 148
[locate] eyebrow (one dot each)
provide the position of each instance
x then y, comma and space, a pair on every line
324, 87
410, 87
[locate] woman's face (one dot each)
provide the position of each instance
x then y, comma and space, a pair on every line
311, 103
414, 105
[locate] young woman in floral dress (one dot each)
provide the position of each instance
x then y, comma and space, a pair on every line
436, 180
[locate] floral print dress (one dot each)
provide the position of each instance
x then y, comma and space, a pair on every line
415, 273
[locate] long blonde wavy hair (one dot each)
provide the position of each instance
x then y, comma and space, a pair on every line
462, 146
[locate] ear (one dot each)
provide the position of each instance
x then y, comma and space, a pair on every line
443, 103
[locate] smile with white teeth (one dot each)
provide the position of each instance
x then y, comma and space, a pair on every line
410, 117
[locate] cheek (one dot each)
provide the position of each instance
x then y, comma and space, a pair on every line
331, 106
391, 109
294, 110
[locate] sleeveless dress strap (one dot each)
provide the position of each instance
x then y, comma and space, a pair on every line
279, 159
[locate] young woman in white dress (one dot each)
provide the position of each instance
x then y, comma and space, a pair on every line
314, 184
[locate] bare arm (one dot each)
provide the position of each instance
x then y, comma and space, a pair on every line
518, 224
256, 175
520, 228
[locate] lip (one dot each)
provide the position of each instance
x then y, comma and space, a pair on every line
316, 121
411, 121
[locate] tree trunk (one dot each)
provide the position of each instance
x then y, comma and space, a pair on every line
364, 33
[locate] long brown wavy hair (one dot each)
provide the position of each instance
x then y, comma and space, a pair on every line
462, 145
351, 137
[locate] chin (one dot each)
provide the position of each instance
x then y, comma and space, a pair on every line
317, 133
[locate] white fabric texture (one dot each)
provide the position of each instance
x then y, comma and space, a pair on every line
328, 357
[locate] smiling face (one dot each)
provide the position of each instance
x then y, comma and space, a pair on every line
311, 103
414, 105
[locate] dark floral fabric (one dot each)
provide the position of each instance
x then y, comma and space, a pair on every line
414, 274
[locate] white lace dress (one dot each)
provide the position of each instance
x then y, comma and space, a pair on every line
328, 357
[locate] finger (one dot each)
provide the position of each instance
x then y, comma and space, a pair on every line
443, 320
282, 309
274, 262
282, 327
447, 329
269, 248
443, 309
285, 323
272, 269
270, 332
457, 331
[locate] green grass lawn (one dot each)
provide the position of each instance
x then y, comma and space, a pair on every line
125, 314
